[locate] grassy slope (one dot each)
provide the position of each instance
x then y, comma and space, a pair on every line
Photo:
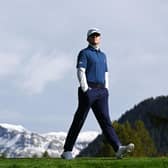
86, 163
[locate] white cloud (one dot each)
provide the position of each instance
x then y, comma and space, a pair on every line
42, 69
33, 73
8, 64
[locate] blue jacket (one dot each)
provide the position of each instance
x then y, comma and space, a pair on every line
94, 61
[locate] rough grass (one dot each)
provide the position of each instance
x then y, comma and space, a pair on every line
158, 162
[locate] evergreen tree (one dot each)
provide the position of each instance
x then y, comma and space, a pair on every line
2, 155
46, 155
145, 144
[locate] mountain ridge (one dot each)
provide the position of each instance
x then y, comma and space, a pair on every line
18, 142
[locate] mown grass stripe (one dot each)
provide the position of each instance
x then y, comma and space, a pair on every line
158, 162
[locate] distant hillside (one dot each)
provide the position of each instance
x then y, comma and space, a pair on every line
154, 113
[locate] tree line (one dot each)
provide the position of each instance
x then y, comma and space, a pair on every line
137, 134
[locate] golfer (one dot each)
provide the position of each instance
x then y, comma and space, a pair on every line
93, 93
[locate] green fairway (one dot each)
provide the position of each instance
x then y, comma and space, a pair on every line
86, 163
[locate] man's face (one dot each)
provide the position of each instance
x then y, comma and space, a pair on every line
94, 39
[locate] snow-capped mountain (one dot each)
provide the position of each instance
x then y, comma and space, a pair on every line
16, 141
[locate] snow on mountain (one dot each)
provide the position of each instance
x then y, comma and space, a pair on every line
13, 127
16, 141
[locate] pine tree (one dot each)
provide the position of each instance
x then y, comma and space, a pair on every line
46, 155
145, 145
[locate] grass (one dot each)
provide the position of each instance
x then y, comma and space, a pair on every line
158, 162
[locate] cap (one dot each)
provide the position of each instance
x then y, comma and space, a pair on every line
93, 30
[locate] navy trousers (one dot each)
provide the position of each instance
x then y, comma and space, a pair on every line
97, 100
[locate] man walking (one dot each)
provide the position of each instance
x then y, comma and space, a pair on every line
93, 93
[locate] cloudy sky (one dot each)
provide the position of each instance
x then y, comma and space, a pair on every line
39, 44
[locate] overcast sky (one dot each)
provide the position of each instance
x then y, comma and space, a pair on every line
39, 44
